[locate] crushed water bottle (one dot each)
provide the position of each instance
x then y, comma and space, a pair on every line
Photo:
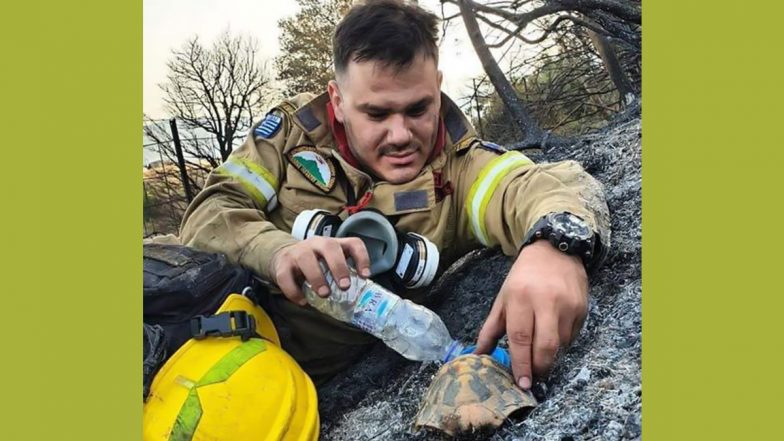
412, 330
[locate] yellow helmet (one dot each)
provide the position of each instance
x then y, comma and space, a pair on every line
230, 389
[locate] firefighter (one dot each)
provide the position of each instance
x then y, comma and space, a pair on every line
382, 136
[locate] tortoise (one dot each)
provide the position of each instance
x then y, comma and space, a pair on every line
471, 392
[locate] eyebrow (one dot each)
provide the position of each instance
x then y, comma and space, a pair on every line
371, 108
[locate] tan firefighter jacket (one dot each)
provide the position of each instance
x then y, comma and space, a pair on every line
473, 194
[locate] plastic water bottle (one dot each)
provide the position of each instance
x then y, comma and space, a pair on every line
412, 330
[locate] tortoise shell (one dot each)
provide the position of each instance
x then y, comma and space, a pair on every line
471, 392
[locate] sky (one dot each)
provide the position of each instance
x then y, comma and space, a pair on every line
169, 23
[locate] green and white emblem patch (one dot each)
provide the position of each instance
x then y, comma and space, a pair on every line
317, 169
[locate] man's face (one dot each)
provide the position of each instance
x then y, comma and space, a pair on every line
391, 115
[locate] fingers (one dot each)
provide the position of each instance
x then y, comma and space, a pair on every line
570, 327
542, 307
577, 326
332, 253
546, 343
355, 248
308, 265
291, 289
520, 330
286, 277
493, 329
300, 262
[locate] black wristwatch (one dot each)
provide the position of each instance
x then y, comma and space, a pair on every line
570, 234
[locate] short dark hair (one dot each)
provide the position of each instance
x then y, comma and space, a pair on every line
389, 31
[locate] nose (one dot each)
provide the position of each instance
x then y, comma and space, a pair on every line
398, 133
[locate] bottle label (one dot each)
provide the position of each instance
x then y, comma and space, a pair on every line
371, 308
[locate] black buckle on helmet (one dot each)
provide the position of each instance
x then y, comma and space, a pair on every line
225, 324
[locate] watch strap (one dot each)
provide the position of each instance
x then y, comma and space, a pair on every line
591, 251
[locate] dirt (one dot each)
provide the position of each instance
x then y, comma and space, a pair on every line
594, 392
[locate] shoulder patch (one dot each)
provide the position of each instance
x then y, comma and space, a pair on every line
315, 167
493, 147
410, 200
454, 124
269, 126
308, 119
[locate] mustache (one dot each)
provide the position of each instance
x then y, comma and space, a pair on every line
398, 149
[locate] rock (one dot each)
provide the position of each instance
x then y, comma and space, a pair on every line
614, 431
378, 398
583, 376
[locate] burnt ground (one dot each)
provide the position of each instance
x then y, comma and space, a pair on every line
593, 393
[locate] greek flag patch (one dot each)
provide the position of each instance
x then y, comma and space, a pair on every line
269, 126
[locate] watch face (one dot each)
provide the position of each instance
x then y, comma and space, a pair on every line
570, 226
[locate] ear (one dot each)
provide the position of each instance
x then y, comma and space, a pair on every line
440, 78
337, 101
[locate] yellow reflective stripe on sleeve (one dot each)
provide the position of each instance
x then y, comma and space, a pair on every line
485, 185
257, 180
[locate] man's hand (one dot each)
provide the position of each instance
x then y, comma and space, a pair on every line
541, 306
297, 263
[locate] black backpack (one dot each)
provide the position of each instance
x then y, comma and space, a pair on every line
181, 283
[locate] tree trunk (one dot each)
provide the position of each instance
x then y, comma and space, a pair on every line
613, 66
532, 133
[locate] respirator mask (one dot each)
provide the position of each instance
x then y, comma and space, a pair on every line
408, 260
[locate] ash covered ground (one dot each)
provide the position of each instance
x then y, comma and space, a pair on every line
594, 392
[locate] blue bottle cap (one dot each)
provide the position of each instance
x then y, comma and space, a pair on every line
500, 355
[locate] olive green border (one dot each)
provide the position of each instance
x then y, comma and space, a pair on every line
712, 196
713, 155
72, 209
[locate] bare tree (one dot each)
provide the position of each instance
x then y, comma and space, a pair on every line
216, 91
213, 94
579, 36
532, 133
